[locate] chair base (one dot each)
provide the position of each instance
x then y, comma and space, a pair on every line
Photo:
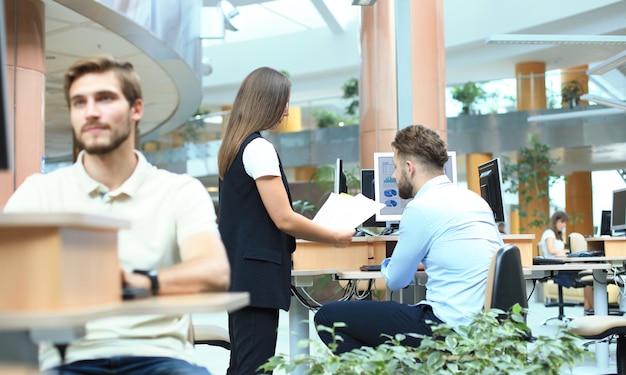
561, 305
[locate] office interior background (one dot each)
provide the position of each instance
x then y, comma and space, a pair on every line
193, 54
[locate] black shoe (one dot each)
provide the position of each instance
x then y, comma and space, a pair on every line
589, 312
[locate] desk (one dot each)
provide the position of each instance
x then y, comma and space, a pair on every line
69, 323
373, 249
599, 292
299, 314
51, 265
524, 243
56, 260
176, 304
612, 246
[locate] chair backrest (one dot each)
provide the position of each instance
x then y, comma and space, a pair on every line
505, 282
577, 242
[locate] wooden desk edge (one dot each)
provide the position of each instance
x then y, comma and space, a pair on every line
64, 219
167, 305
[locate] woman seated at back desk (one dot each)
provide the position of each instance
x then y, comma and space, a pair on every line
552, 245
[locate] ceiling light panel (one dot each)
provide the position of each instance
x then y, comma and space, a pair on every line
555, 39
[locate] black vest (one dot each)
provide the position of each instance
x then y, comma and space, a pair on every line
259, 253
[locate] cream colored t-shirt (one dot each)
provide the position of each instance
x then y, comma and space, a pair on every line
164, 209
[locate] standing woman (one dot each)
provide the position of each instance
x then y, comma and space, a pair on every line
256, 220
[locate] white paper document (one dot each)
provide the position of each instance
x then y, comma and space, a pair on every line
342, 211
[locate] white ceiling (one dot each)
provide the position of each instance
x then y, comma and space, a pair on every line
316, 41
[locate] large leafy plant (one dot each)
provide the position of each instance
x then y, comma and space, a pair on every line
534, 171
494, 342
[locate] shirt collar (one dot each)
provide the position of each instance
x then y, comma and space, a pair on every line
129, 187
432, 183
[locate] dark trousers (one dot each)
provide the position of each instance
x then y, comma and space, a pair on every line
366, 321
130, 365
253, 332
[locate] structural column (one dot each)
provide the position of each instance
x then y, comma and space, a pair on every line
578, 203
531, 94
531, 85
473, 161
579, 185
402, 79
24, 24
377, 81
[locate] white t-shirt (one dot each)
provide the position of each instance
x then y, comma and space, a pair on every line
164, 209
260, 159
558, 244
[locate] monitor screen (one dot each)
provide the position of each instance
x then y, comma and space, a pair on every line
618, 214
340, 182
5, 150
386, 189
490, 178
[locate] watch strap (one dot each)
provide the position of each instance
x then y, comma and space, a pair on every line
154, 279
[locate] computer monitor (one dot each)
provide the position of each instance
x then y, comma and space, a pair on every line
5, 149
367, 189
605, 223
618, 214
490, 176
340, 183
386, 189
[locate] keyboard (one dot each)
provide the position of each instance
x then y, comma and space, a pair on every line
541, 260
370, 267
588, 253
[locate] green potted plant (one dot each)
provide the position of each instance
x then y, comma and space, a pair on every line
571, 92
534, 171
488, 345
468, 94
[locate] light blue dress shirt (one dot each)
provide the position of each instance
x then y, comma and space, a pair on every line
451, 230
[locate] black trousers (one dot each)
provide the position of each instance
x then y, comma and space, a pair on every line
253, 332
366, 321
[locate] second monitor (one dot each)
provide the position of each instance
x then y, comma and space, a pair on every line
490, 179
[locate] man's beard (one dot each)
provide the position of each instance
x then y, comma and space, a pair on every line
405, 187
117, 138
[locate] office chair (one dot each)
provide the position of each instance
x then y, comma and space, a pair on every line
209, 334
600, 327
505, 282
577, 243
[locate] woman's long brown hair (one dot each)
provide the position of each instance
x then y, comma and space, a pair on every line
259, 105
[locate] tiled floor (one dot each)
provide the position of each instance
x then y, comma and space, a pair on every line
216, 359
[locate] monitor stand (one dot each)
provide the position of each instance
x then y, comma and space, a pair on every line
619, 233
392, 228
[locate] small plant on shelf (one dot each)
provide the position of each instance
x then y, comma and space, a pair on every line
571, 92
469, 94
